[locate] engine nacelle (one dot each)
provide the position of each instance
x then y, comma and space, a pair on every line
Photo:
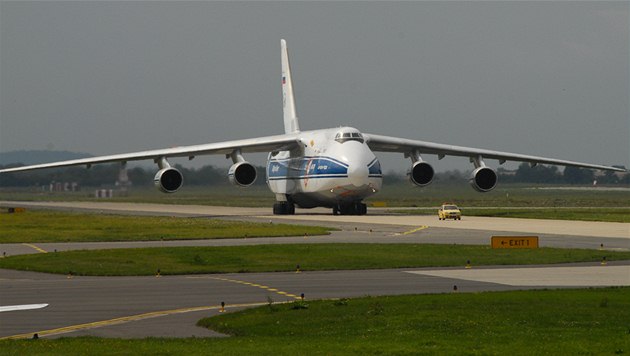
421, 173
242, 174
168, 180
483, 179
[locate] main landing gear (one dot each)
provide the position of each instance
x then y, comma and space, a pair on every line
288, 208
357, 208
283, 208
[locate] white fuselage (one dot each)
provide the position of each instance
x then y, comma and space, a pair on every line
330, 169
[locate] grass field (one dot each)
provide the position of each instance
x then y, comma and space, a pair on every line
52, 226
221, 195
275, 258
401, 194
505, 195
549, 322
540, 202
558, 322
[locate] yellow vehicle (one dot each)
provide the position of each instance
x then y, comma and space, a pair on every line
449, 211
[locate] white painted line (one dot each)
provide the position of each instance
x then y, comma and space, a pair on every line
7, 308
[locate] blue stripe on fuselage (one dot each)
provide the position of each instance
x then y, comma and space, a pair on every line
306, 167
375, 169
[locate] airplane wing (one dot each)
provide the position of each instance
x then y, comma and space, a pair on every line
260, 144
395, 144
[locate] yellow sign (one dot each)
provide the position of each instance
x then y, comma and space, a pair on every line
514, 241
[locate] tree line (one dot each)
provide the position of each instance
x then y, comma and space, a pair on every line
107, 175
543, 174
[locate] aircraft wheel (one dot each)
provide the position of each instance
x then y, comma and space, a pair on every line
344, 210
350, 209
283, 208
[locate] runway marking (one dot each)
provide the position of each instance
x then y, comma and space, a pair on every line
253, 285
6, 308
35, 247
414, 230
124, 319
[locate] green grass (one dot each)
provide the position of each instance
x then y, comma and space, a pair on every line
400, 194
583, 214
273, 258
505, 195
554, 322
221, 195
547, 322
46, 226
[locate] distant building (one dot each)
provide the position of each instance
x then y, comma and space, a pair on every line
64, 187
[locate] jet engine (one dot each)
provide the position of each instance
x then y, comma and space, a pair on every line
168, 180
483, 179
421, 173
242, 174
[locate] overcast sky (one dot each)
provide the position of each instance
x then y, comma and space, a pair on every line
541, 78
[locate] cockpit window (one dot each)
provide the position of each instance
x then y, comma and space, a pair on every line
342, 137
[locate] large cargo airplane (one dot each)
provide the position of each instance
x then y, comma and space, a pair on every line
334, 168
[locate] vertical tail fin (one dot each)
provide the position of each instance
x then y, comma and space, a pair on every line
291, 123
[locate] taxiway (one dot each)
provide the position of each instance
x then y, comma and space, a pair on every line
170, 306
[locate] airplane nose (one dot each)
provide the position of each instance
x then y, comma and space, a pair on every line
358, 174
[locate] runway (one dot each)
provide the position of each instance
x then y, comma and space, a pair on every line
135, 307
375, 217
378, 227
132, 307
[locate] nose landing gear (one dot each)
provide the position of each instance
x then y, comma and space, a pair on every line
356, 208
283, 208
